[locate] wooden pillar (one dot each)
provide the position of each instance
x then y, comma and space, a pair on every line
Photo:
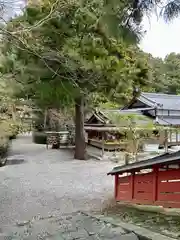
116, 185
177, 136
166, 141
47, 140
170, 131
126, 158
155, 183
103, 144
132, 185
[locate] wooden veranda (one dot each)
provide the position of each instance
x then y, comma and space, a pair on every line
169, 136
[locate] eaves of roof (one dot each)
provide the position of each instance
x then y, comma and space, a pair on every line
169, 121
163, 159
147, 101
99, 118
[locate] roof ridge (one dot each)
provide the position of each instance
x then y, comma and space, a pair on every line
150, 100
164, 94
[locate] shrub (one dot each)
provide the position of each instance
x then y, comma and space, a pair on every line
4, 149
9, 128
39, 137
13, 130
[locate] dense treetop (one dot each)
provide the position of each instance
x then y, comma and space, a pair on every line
63, 53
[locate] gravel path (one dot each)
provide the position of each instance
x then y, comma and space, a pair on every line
36, 194
50, 181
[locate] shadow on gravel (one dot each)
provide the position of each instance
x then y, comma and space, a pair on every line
14, 161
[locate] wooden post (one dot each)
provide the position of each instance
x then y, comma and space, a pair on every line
132, 185
166, 141
176, 136
170, 135
126, 158
116, 185
47, 140
102, 145
155, 183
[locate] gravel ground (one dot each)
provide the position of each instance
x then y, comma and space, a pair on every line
67, 227
50, 182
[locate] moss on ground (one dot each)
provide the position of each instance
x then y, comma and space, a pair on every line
157, 222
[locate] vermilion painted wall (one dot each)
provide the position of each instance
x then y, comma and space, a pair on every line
155, 188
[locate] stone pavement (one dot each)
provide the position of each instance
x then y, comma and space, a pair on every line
69, 227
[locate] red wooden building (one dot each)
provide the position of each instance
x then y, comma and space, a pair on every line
154, 181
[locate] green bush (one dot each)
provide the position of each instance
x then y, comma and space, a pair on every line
39, 137
9, 129
14, 130
4, 149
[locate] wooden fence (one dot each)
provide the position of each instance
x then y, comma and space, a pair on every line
159, 187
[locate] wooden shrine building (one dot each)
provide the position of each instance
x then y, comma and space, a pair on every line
162, 109
104, 131
154, 181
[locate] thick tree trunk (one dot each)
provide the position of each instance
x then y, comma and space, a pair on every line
80, 144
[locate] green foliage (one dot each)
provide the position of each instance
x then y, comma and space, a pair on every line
127, 120
171, 10
74, 54
8, 128
136, 129
61, 51
165, 74
168, 9
4, 150
4, 143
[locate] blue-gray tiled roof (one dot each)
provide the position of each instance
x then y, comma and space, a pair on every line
167, 121
161, 100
